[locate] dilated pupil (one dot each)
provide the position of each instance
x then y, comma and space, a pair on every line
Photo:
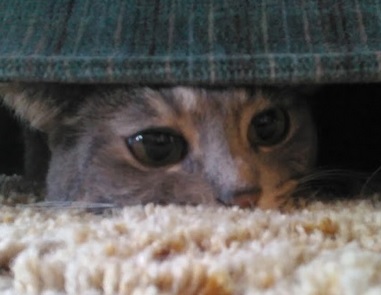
266, 125
269, 127
157, 147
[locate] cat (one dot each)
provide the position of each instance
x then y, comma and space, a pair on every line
127, 145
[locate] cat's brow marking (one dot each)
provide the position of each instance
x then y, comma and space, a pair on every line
186, 97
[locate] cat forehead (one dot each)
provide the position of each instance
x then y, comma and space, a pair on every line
193, 99
197, 100
142, 107
187, 98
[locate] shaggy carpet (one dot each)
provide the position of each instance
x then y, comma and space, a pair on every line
323, 249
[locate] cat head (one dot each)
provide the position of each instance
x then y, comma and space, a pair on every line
185, 145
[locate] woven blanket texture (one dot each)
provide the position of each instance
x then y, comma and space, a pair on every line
323, 249
191, 41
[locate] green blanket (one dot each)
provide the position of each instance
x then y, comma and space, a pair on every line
191, 41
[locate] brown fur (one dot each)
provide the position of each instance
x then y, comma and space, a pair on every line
87, 129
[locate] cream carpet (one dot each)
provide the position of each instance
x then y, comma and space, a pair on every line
324, 249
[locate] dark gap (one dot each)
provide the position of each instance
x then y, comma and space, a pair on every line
348, 118
11, 144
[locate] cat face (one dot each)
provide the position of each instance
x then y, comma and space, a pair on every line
125, 146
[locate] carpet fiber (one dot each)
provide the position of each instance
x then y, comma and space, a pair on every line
323, 249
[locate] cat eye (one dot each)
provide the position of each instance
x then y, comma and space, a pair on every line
157, 147
269, 127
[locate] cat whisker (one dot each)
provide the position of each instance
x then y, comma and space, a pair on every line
369, 180
330, 182
92, 207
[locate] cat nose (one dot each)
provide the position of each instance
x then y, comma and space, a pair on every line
245, 201
243, 198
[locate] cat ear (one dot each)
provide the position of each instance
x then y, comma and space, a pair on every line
32, 103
